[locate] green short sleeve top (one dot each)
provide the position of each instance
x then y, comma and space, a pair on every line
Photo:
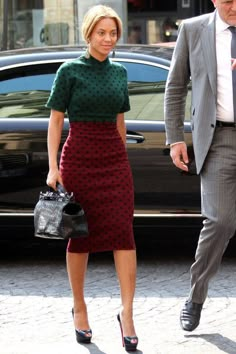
90, 90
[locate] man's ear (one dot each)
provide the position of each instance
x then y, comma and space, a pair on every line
214, 2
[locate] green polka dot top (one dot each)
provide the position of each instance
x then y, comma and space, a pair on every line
90, 90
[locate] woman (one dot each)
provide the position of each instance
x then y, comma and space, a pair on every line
94, 164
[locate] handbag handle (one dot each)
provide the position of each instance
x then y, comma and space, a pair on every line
60, 188
59, 194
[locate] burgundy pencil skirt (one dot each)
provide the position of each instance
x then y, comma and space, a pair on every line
95, 167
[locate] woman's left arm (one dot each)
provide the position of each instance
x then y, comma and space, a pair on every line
121, 126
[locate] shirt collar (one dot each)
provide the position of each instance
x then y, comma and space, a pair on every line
221, 25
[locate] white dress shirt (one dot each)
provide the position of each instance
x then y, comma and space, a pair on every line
225, 109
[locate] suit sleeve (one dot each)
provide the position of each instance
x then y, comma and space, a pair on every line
176, 89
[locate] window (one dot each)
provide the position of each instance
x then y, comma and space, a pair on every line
145, 73
28, 83
24, 91
146, 90
36, 23
151, 5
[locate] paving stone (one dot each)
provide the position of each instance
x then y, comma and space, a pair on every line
36, 301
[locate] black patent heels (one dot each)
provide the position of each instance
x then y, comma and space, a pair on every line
82, 335
130, 343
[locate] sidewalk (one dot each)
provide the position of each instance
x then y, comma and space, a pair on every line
36, 303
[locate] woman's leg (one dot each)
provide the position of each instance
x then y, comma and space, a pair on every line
126, 264
76, 268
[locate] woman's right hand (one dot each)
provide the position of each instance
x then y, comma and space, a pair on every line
53, 178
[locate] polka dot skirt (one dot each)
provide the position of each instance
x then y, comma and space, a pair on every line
94, 166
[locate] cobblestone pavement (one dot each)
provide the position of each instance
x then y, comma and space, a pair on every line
35, 302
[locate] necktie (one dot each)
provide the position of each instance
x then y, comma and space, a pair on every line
233, 56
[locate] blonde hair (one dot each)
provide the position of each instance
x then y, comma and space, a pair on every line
94, 15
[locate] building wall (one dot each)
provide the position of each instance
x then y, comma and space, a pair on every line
60, 24
27, 23
38, 23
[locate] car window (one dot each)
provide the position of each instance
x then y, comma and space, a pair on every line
145, 72
24, 91
146, 89
28, 83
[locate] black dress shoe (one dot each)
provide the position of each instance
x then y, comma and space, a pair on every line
190, 316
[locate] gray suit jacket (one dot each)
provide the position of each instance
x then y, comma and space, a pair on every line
194, 56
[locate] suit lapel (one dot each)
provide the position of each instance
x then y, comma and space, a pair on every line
208, 42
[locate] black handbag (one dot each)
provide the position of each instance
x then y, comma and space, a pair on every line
58, 216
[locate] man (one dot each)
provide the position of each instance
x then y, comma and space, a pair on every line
203, 53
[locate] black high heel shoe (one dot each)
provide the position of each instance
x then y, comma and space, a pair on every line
82, 334
130, 343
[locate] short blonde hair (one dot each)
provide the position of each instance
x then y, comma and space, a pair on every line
94, 15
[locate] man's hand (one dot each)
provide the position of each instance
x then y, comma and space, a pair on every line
179, 155
233, 64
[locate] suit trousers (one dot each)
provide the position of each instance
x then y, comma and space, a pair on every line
218, 198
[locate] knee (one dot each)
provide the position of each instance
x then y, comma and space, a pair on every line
226, 226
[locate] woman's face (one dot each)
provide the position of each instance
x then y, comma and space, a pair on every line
103, 38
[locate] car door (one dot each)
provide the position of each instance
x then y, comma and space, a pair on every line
24, 90
160, 188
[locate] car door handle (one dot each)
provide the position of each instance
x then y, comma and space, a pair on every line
134, 138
